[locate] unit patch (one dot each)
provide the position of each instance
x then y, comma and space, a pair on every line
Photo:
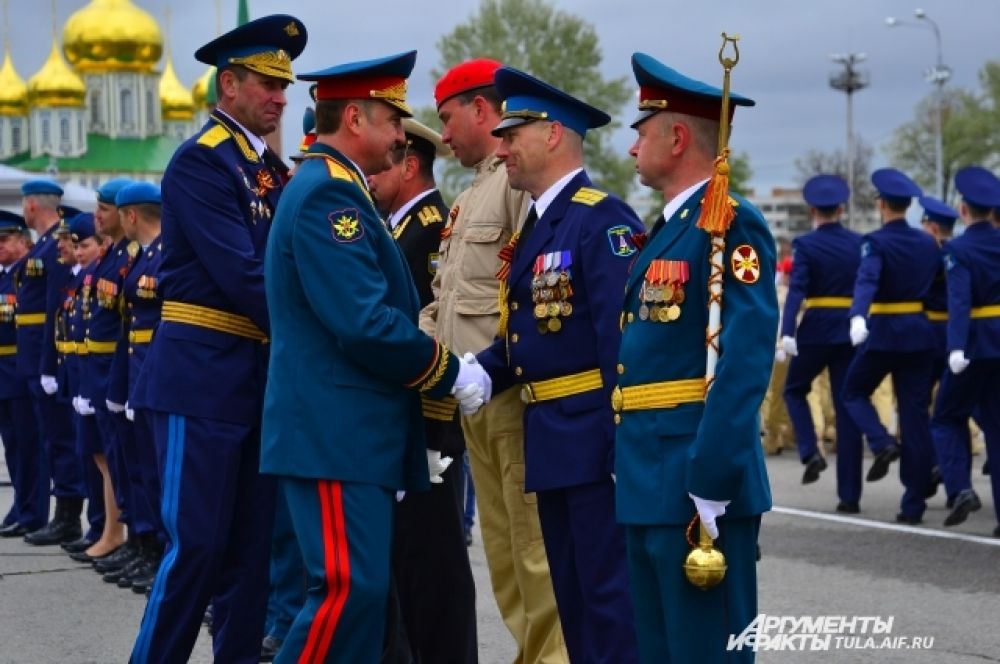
346, 225
745, 264
620, 238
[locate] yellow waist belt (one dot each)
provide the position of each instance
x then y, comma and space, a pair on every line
8, 350
66, 347
140, 336
29, 319
828, 303
563, 386
936, 316
442, 410
212, 319
896, 308
99, 347
651, 396
989, 311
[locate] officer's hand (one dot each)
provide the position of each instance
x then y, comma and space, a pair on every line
859, 330
957, 361
49, 384
471, 387
436, 465
470, 358
789, 345
114, 407
129, 413
470, 398
709, 511
85, 407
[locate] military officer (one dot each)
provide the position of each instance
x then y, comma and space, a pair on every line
972, 379
204, 372
431, 571
40, 280
894, 337
823, 271
18, 428
347, 349
680, 451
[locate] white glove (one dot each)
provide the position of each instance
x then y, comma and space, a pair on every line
114, 407
779, 355
470, 387
436, 465
789, 345
470, 358
82, 406
709, 511
49, 384
129, 413
859, 330
75, 401
400, 495
957, 361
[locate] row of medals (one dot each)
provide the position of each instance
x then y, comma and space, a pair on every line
661, 302
551, 292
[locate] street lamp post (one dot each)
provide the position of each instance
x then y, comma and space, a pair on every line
848, 81
937, 76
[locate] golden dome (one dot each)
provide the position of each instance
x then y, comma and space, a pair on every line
174, 98
55, 84
112, 35
200, 89
13, 91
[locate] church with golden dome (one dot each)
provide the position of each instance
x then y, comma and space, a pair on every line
99, 108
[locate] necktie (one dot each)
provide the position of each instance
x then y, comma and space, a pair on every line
528, 226
660, 223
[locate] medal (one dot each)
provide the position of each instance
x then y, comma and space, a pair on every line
551, 279
553, 309
673, 312
644, 312
654, 312
543, 327
662, 315
554, 325
540, 310
565, 308
679, 295
668, 293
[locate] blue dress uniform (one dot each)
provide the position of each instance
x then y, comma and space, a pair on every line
825, 264
346, 350
561, 342
672, 439
898, 267
39, 282
18, 428
972, 264
206, 366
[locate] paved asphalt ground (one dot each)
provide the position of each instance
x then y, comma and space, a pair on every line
934, 582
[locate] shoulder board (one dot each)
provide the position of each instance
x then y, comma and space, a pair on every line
336, 170
734, 202
589, 196
213, 136
429, 214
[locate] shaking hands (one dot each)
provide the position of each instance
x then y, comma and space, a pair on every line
473, 386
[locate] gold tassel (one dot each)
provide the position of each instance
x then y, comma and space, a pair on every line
716, 211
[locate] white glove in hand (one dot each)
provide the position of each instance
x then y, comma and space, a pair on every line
487, 386
789, 346
957, 361
49, 384
470, 387
114, 407
779, 355
129, 414
709, 511
436, 465
859, 330
83, 406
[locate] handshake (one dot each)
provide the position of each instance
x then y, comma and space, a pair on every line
473, 386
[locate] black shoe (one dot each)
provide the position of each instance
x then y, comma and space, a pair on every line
965, 502
845, 507
880, 466
141, 585
269, 647
76, 546
123, 576
121, 557
935, 482
815, 465
908, 519
13, 530
950, 502
64, 526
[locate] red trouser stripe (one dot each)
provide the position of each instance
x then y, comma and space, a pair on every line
337, 568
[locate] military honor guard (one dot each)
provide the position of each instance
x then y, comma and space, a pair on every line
432, 575
824, 266
40, 279
971, 383
347, 349
893, 337
687, 408
204, 372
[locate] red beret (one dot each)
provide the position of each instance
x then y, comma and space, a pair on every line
469, 75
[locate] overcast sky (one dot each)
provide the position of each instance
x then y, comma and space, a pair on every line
785, 47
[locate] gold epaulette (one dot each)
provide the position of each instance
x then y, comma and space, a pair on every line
220, 132
336, 170
214, 136
429, 215
734, 202
133, 249
589, 196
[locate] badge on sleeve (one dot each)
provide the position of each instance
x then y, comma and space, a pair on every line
620, 238
346, 225
745, 264
949, 261
866, 248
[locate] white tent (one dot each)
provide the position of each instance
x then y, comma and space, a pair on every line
11, 180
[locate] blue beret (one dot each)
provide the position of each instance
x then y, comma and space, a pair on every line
825, 191
135, 193
11, 223
81, 226
108, 191
894, 185
41, 187
978, 186
664, 89
266, 45
381, 79
526, 99
937, 211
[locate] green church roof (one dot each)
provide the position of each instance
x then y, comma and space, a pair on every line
125, 155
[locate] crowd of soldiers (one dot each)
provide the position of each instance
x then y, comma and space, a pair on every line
260, 405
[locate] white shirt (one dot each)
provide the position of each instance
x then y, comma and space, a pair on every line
398, 215
549, 195
680, 199
258, 143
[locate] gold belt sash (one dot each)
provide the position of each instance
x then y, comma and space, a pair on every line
936, 316
29, 319
8, 350
652, 396
140, 336
896, 308
100, 347
563, 386
66, 347
828, 302
212, 319
989, 311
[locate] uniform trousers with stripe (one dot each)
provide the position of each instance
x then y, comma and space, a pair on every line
344, 530
218, 512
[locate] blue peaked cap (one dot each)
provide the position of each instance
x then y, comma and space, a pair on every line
937, 211
978, 186
266, 45
11, 222
895, 185
81, 227
527, 99
826, 191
